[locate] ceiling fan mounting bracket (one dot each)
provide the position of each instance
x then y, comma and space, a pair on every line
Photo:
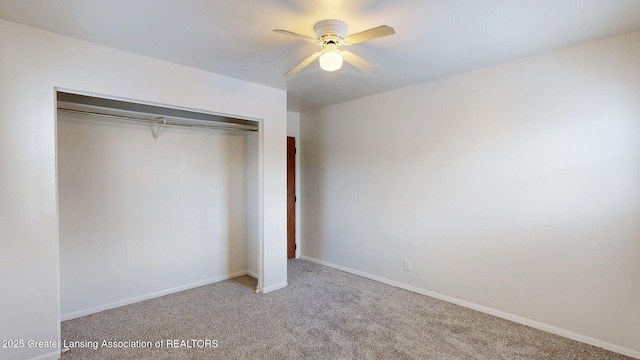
330, 31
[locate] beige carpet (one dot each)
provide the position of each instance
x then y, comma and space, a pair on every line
322, 314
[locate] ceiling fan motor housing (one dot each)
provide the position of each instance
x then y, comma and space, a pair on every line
330, 31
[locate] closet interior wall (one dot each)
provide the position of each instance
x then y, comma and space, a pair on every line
141, 217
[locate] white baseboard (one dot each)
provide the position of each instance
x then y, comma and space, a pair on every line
252, 274
487, 310
55, 355
275, 287
93, 310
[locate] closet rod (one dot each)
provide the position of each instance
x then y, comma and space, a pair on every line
163, 121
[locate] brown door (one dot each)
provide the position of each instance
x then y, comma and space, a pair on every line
291, 197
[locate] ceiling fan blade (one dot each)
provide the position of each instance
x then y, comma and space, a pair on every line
358, 62
302, 65
295, 35
380, 31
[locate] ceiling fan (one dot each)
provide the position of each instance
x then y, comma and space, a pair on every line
330, 35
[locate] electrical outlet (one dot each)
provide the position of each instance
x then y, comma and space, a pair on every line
407, 265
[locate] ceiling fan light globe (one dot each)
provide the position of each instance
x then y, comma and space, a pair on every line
331, 60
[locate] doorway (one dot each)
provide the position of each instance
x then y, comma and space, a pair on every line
291, 197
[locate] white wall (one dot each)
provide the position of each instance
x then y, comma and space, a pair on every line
141, 217
514, 189
33, 63
293, 130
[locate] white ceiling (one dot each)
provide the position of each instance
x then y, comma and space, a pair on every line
434, 38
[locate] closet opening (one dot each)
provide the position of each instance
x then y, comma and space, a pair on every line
152, 200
